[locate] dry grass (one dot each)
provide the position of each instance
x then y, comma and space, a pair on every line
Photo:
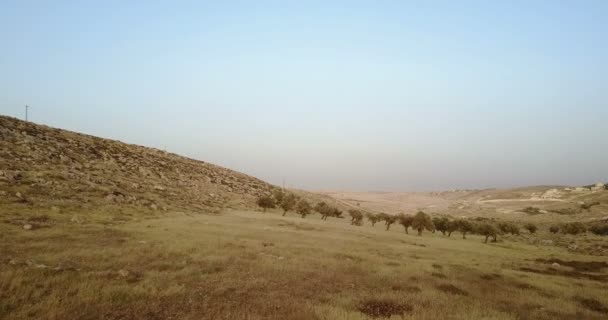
248, 265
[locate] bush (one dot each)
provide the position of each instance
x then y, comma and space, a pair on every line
508, 227
303, 208
324, 209
531, 227
266, 202
532, 210
588, 206
573, 228
554, 229
600, 229
421, 222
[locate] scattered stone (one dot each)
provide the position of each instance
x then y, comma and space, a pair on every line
76, 219
573, 247
123, 273
555, 265
19, 195
27, 226
159, 188
13, 262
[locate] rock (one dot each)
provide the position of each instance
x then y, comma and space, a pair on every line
598, 187
18, 195
555, 265
123, 273
573, 247
2, 193
55, 209
13, 262
76, 219
159, 187
27, 226
153, 207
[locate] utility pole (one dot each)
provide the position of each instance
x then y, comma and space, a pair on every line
26, 107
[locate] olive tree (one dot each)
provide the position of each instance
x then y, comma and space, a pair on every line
389, 220
452, 226
288, 203
531, 227
487, 230
406, 221
373, 218
421, 222
508, 227
441, 224
303, 208
324, 210
465, 226
266, 202
356, 217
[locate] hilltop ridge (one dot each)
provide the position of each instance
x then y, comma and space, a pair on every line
42, 166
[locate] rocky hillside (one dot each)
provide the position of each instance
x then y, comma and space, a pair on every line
43, 167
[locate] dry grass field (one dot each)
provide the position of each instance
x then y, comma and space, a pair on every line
254, 265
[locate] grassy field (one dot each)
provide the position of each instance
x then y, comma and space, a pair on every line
251, 265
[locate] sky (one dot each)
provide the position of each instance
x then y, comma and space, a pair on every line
326, 95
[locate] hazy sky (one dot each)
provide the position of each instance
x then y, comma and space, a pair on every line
360, 95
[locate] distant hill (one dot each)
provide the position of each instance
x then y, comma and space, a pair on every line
42, 166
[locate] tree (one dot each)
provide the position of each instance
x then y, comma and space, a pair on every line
441, 224
356, 217
389, 220
508, 227
405, 221
266, 202
278, 195
337, 213
487, 230
303, 208
421, 222
451, 227
288, 203
554, 229
530, 227
573, 228
600, 229
373, 218
324, 210
465, 226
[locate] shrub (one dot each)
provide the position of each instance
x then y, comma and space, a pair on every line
303, 208
337, 213
531, 227
356, 217
532, 210
266, 202
405, 221
278, 195
600, 229
588, 206
573, 228
288, 203
487, 230
554, 229
324, 209
421, 222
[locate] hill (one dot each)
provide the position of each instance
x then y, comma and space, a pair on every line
43, 167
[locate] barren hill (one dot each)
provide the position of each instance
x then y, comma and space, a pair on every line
43, 167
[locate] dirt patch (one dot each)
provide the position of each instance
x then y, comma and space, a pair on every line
592, 304
383, 308
581, 266
452, 289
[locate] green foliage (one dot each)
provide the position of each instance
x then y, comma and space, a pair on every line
531, 227
266, 202
303, 208
487, 230
405, 221
288, 202
573, 228
421, 222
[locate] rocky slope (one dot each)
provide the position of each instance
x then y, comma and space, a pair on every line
43, 167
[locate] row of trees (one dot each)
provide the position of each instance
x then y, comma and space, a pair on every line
420, 221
